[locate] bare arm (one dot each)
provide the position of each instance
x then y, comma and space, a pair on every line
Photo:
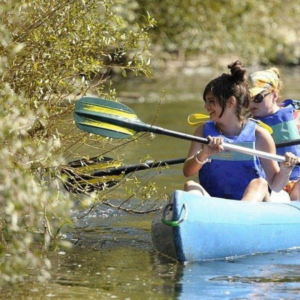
191, 166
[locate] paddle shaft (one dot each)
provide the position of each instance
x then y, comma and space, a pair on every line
82, 163
78, 183
226, 146
109, 118
146, 165
290, 143
138, 167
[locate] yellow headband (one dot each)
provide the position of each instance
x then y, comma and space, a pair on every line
263, 80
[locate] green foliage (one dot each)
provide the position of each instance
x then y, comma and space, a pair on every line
52, 52
252, 30
69, 40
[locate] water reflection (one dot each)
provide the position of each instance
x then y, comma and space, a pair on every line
269, 276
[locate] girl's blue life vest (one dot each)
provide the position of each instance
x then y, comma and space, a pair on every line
229, 172
285, 129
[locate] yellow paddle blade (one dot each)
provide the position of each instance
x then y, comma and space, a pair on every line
107, 118
77, 184
96, 181
263, 125
91, 165
109, 111
107, 126
196, 119
96, 167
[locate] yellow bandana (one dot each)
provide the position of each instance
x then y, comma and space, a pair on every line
263, 80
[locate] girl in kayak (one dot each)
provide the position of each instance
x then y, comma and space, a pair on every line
265, 87
228, 174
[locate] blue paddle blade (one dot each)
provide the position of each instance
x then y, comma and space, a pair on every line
107, 118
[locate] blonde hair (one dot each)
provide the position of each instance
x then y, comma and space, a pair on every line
280, 83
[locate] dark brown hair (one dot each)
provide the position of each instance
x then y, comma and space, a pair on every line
234, 84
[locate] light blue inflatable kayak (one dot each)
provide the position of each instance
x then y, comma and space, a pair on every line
196, 228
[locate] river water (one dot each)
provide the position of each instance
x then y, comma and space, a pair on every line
112, 256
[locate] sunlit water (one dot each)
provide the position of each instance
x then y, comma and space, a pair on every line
113, 258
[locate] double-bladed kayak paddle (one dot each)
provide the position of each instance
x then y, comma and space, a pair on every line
116, 120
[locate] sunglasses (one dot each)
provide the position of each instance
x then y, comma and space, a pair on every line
260, 97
